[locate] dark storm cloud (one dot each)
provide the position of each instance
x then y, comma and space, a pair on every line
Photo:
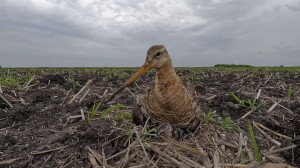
118, 33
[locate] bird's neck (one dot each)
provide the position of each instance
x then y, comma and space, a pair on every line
166, 73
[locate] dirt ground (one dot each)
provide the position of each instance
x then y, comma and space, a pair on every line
38, 131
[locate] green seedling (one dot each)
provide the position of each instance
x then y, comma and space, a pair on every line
258, 156
249, 104
290, 92
208, 117
9, 80
229, 124
122, 116
74, 83
242, 157
130, 135
94, 110
106, 112
152, 131
110, 74
191, 78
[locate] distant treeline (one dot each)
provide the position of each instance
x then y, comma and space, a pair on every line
233, 66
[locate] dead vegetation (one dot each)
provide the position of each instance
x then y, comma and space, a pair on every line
46, 121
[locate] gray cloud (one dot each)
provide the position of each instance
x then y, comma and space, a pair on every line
118, 33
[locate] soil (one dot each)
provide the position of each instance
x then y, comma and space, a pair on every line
38, 120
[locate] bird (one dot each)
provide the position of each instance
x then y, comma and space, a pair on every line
170, 100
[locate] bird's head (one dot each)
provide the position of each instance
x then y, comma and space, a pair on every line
157, 58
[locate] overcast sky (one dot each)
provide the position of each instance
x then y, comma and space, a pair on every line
38, 33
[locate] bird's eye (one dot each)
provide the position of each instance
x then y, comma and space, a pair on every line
157, 54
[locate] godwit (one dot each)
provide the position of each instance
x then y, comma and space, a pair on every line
171, 101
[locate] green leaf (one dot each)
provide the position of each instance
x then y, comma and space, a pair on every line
235, 97
207, 118
258, 156
107, 111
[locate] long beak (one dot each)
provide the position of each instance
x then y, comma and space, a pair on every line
146, 67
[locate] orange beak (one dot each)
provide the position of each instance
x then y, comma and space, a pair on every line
146, 67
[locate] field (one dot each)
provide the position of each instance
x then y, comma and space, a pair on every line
48, 118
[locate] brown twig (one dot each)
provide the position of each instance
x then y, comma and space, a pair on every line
84, 95
47, 159
184, 146
81, 90
258, 94
245, 115
124, 151
137, 85
186, 159
68, 93
290, 111
268, 79
2, 96
32, 78
216, 146
241, 142
272, 107
82, 114
104, 158
10, 161
281, 149
96, 155
47, 151
71, 117
171, 159
93, 161
266, 135
216, 159
130, 92
276, 133
138, 136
